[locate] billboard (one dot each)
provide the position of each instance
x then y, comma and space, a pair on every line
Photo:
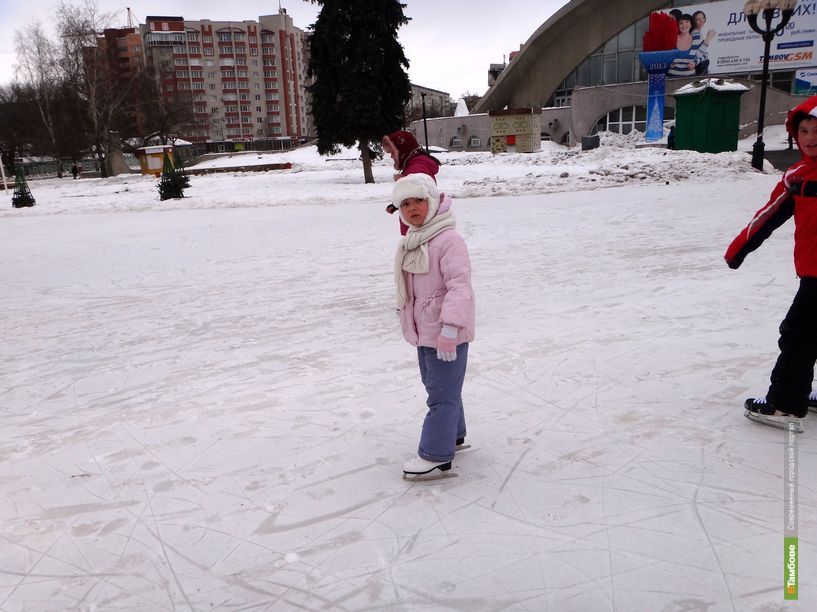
723, 42
805, 82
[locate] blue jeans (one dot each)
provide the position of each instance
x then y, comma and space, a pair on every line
445, 421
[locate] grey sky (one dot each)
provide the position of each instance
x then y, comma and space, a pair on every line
449, 43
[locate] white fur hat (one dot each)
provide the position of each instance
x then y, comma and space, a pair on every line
420, 186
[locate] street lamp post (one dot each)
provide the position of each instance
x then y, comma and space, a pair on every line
425, 123
768, 9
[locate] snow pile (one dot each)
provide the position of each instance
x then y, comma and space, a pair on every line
338, 179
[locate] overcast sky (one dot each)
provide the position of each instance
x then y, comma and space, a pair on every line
449, 43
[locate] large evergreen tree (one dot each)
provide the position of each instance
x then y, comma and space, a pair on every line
360, 83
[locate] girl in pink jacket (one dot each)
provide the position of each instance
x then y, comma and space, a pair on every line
437, 313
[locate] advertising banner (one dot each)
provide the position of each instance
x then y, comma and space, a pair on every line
721, 41
805, 82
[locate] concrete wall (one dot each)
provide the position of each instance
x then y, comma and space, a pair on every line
589, 104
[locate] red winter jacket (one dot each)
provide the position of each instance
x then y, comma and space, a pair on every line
795, 194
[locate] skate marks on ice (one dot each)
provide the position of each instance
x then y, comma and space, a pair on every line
258, 406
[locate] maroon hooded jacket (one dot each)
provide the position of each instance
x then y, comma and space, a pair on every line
795, 195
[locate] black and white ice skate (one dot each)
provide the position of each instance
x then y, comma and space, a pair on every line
758, 410
419, 469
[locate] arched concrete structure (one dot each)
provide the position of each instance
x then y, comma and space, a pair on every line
557, 47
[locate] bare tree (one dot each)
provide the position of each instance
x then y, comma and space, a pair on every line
90, 73
38, 65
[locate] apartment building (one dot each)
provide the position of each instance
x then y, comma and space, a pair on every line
241, 81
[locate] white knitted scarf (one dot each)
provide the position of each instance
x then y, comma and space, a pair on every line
412, 252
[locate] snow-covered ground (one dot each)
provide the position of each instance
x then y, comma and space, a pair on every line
207, 401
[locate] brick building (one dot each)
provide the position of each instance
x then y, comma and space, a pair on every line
242, 80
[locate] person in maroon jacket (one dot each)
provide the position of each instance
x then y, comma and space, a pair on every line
409, 158
788, 398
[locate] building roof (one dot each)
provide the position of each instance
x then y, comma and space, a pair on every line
559, 45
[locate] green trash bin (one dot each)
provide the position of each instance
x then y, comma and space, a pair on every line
707, 115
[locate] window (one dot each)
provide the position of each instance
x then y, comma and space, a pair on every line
207, 38
268, 38
180, 61
254, 51
260, 120
196, 74
474, 141
257, 109
193, 36
225, 49
246, 119
208, 50
224, 37
195, 49
268, 50
245, 108
455, 142
258, 97
179, 50
627, 119
244, 97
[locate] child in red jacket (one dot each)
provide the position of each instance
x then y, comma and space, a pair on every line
409, 158
788, 398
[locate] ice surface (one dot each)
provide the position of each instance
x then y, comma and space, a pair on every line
207, 401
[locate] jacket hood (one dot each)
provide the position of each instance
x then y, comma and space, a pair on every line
797, 114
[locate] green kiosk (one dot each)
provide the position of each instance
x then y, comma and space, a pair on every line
707, 115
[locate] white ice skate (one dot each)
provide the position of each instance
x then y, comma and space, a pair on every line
418, 469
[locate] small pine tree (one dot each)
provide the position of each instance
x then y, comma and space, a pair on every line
184, 180
173, 182
22, 194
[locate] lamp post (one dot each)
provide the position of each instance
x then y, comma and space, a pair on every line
768, 9
425, 123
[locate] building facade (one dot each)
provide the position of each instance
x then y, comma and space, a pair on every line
582, 68
242, 81
437, 103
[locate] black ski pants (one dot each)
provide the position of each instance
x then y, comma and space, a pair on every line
794, 371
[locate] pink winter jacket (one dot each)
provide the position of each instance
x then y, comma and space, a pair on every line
443, 295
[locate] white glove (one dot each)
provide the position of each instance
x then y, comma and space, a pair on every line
447, 344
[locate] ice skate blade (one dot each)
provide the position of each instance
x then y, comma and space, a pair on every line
463, 447
778, 422
429, 476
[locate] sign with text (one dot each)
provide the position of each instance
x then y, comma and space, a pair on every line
730, 45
